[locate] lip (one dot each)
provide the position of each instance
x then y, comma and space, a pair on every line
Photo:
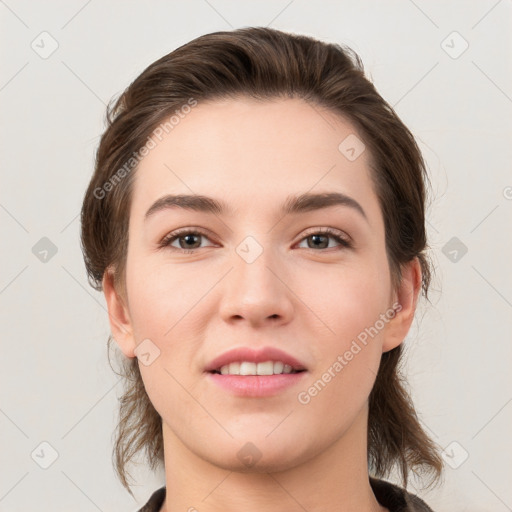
254, 355
255, 385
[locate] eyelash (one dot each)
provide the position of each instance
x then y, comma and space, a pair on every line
171, 237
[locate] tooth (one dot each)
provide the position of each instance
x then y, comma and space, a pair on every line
278, 367
247, 368
266, 368
234, 368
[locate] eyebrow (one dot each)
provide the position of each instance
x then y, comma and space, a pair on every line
293, 205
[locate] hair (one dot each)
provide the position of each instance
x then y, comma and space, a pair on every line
264, 64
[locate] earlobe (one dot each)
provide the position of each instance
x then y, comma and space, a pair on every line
119, 318
406, 298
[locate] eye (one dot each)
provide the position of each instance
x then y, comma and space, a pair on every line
320, 238
188, 240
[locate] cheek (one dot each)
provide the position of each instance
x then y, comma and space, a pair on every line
345, 300
347, 349
163, 307
160, 295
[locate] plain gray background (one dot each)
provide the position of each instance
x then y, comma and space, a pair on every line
56, 385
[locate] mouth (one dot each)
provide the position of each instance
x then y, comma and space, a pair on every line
252, 372
267, 368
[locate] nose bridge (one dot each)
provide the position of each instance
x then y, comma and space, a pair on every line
254, 290
252, 268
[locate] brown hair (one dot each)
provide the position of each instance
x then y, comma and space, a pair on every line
264, 63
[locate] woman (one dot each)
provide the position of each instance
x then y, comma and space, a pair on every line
256, 223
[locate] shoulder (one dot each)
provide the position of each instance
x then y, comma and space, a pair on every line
397, 499
155, 501
388, 495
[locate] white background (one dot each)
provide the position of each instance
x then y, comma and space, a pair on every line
56, 385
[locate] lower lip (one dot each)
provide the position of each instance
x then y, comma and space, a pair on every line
256, 385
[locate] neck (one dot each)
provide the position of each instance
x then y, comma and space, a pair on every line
334, 480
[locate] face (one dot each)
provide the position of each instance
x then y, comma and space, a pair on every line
257, 278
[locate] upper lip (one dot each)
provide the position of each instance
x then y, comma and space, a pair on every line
255, 356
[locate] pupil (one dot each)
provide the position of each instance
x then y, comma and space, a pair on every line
320, 236
187, 238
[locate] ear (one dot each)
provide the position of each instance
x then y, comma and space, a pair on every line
405, 299
119, 317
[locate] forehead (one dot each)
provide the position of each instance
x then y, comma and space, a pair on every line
253, 150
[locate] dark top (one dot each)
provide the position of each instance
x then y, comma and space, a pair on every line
388, 495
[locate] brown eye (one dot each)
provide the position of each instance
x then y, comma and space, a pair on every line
188, 240
320, 239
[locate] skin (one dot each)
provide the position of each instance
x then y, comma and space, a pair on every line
311, 302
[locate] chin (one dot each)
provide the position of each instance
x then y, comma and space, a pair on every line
257, 453
266, 464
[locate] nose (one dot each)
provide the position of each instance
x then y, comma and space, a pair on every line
257, 292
